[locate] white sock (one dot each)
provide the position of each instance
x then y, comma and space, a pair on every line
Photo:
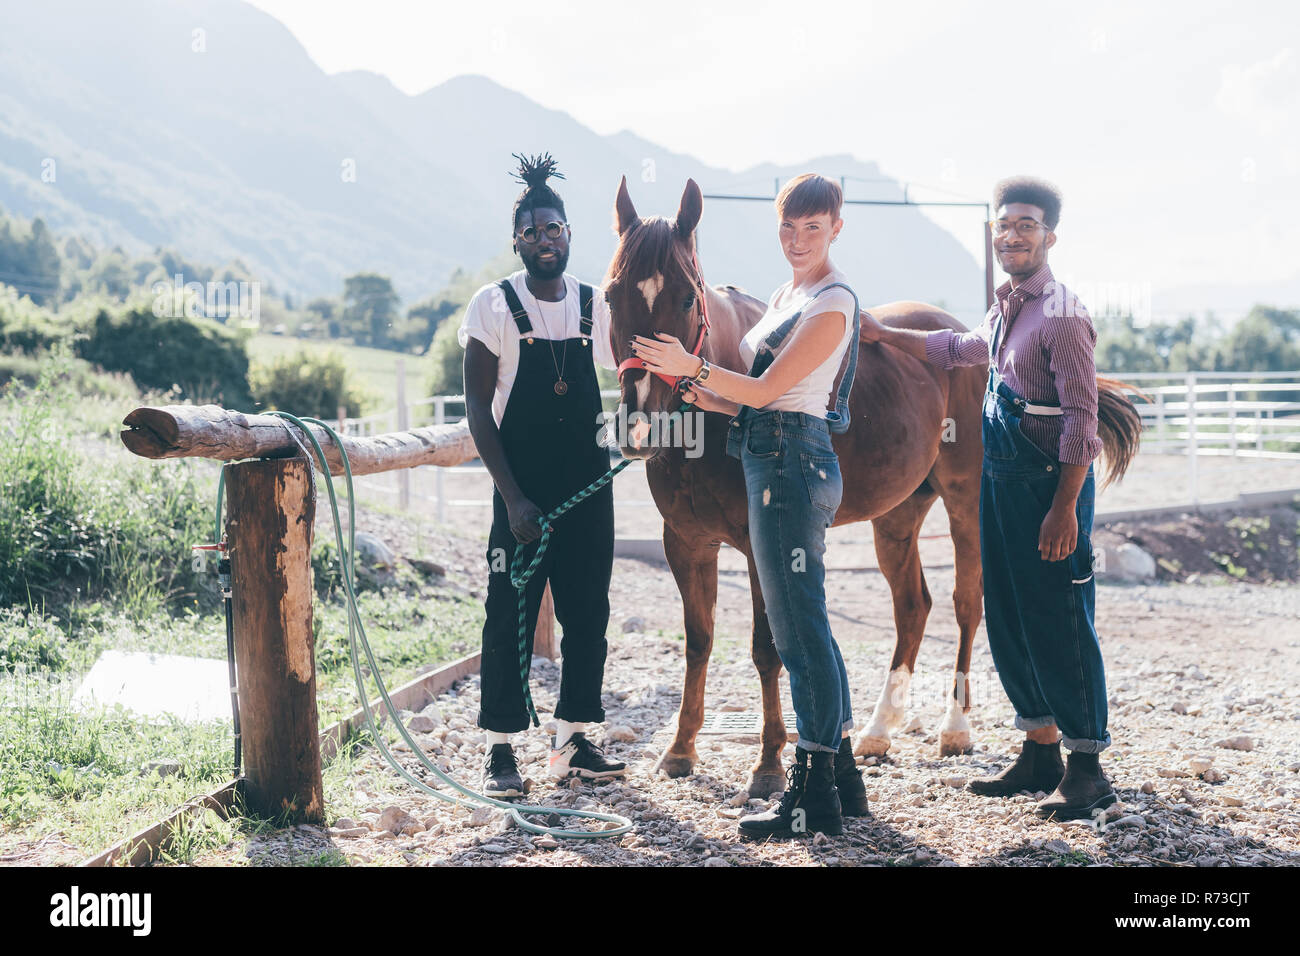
494, 738
564, 729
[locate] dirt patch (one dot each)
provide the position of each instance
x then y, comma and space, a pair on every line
1261, 546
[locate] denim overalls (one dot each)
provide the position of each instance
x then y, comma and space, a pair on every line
792, 478
1039, 614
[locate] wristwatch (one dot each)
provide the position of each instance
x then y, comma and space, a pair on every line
702, 375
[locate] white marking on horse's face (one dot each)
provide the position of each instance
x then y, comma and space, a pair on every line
650, 289
643, 390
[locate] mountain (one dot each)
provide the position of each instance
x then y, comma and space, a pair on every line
204, 125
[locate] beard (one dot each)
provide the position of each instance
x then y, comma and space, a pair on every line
551, 270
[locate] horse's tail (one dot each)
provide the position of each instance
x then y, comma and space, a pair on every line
1119, 426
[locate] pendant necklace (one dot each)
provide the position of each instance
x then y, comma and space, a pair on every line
561, 386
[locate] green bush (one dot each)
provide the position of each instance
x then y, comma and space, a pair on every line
76, 527
203, 360
26, 327
30, 639
306, 384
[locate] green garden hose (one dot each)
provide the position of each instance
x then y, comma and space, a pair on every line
356, 630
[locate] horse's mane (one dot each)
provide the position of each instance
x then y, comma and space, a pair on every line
649, 246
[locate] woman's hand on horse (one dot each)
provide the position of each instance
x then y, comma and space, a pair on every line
664, 354
707, 400
525, 519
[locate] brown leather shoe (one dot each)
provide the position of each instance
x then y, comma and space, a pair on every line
1037, 768
1083, 789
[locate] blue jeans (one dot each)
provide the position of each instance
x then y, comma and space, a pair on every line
792, 477
1039, 614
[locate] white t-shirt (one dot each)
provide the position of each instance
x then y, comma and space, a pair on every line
812, 395
488, 319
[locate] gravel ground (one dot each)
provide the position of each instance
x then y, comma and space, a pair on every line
1205, 717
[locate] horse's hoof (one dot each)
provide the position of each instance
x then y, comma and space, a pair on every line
953, 743
675, 765
763, 784
871, 745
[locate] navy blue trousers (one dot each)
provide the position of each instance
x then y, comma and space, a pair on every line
1039, 614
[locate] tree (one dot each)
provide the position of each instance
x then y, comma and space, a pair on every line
202, 359
1266, 340
369, 308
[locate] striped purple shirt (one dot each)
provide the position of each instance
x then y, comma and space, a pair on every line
1045, 353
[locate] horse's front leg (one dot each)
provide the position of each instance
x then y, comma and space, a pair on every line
695, 567
768, 775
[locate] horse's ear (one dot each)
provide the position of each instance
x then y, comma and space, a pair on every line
689, 212
624, 212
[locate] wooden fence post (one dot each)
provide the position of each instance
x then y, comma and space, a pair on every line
403, 423
269, 518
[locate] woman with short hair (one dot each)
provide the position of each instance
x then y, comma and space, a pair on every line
781, 433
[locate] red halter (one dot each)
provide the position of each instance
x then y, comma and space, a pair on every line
635, 362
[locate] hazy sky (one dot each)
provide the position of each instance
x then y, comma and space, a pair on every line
1171, 128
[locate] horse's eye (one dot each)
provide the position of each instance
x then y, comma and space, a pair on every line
690, 301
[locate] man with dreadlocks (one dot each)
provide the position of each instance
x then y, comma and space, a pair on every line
531, 342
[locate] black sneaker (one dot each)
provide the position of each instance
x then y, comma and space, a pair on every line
501, 773
579, 757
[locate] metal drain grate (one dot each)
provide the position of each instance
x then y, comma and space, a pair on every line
739, 722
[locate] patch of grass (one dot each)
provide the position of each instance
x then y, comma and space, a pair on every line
94, 554
406, 632
1073, 858
1228, 566
198, 834
77, 772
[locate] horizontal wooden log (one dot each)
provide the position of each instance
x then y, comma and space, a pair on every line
210, 431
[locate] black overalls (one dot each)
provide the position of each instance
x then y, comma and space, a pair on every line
550, 442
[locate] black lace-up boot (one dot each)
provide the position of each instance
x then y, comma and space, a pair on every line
809, 804
848, 782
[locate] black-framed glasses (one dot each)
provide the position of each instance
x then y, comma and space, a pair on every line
1024, 227
553, 229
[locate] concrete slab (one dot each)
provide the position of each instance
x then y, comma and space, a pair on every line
153, 685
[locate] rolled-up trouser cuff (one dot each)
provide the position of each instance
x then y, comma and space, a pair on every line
1034, 723
1085, 746
580, 715
810, 746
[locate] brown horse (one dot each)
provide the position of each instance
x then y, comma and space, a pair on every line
915, 438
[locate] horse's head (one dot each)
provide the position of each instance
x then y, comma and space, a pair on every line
653, 285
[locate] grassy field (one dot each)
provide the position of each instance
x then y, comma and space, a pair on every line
94, 555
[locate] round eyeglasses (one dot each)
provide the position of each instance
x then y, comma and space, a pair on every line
1023, 227
531, 234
